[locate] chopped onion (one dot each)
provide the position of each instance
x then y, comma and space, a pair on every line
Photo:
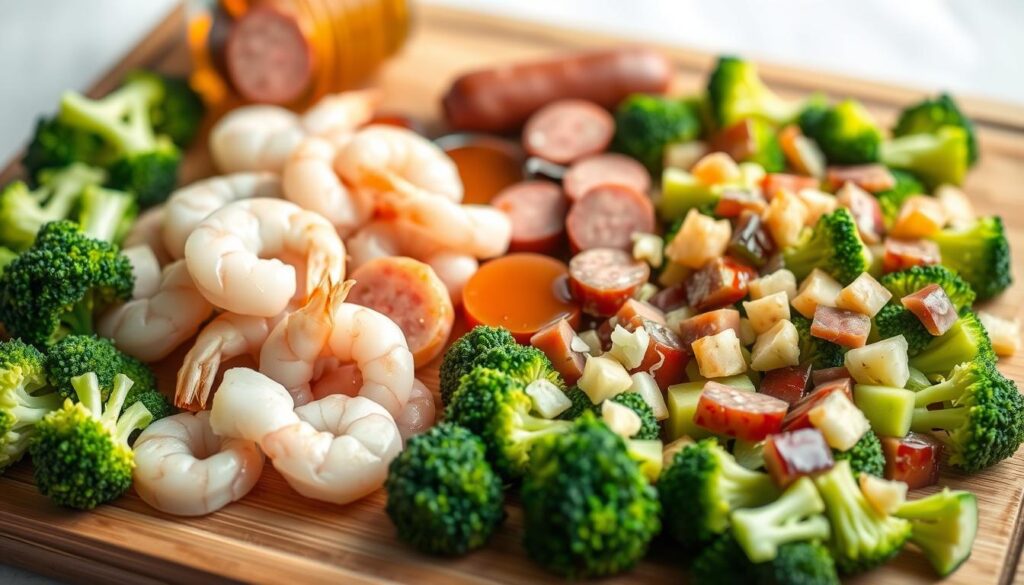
603, 378
592, 341
629, 347
649, 248
883, 495
548, 400
647, 388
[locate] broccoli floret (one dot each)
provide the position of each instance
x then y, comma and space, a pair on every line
911, 280
443, 496
929, 115
736, 92
54, 288
794, 517
495, 406
944, 526
936, 158
646, 124
894, 319
80, 451
56, 145
179, 112
461, 356
821, 354
865, 456
580, 403
588, 511
106, 214
723, 562
7, 256
846, 132
702, 486
25, 398
861, 537
981, 411
980, 254
965, 341
23, 212
649, 427
764, 147
833, 245
524, 363
891, 200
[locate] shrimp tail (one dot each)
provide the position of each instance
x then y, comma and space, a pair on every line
195, 382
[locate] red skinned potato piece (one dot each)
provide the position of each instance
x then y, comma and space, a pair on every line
555, 341
913, 459
607, 216
605, 169
903, 254
537, 211
842, 327
932, 307
801, 453
873, 178
567, 130
798, 416
719, 283
734, 413
788, 384
603, 279
710, 323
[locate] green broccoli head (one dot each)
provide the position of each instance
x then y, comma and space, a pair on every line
151, 175
7, 256
106, 214
764, 146
588, 511
461, 356
834, 245
645, 124
965, 341
891, 200
821, 354
911, 280
980, 254
735, 92
495, 406
894, 319
865, 456
180, 110
981, 411
936, 158
723, 562
54, 288
649, 427
56, 145
861, 537
580, 403
80, 451
702, 486
25, 398
443, 496
524, 363
23, 212
943, 527
846, 132
929, 115
795, 517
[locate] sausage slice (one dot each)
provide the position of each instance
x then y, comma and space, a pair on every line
603, 279
537, 211
607, 217
567, 130
603, 169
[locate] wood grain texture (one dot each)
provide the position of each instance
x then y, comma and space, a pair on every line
276, 536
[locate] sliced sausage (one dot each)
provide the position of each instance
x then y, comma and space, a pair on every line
799, 416
710, 323
669, 298
603, 279
931, 305
801, 453
410, 293
268, 57
903, 254
607, 217
568, 130
873, 178
819, 377
604, 169
633, 311
735, 413
721, 282
537, 211
502, 98
666, 356
842, 327
788, 384
555, 341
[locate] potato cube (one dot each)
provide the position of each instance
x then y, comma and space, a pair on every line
649, 248
747, 334
817, 289
842, 423
683, 155
1004, 333
765, 312
751, 175
786, 218
818, 203
781, 280
716, 168
682, 405
590, 342
645, 385
548, 400
889, 410
603, 378
673, 274
700, 238
920, 217
863, 295
882, 363
620, 419
776, 348
719, 355
884, 496
958, 208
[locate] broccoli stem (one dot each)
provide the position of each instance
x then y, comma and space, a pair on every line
79, 319
796, 516
137, 416
941, 392
122, 384
87, 388
107, 210
744, 488
947, 418
31, 409
121, 118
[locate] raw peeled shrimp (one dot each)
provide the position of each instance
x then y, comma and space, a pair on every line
377, 239
481, 231
150, 328
249, 405
148, 231
183, 468
454, 270
419, 413
341, 112
255, 138
310, 181
238, 255
189, 206
145, 270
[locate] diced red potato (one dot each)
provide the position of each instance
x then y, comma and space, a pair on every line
666, 356
913, 459
604, 169
866, 211
710, 323
799, 416
788, 384
819, 377
903, 254
717, 168
669, 298
567, 130
873, 178
607, 216
775, 182
932, 307
751, 241
555, 341
721, 282
603, 279
786, 218
863, 295
792, 455
819, 288
734, 413
733, 202
842, 327
537, 211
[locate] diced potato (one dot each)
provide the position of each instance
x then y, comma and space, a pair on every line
786, 218
883, 362
649, 454
700, 238
884, 496
817, 289
751, 175
629, 347
719, 355
649, 248
716, 168
620, 419
683, 155
864, 295
765, 312
842, 423
920, 217
779, 281
548, 400
682, 405
668, 452
890, 410
647, 388
673, 274
591, 340
737, 382
747, 334
958, 208
674, 318
776, 348
1004, 333
818, 203
603, 378
749, 454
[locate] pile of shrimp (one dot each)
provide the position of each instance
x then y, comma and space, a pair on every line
252, 264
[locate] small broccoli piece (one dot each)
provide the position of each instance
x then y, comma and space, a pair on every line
936, 158
496, 407
580, 403
865, 456
861, 537
524, 363
980, 254
944, 527
834, 245
179, 112
929, 115
982, 412
23, 212
7, 256
649, 427
56, 145
765, 149
80, 451
821, 354
891, 200
646, 124
736, 92
461, 356
965, 341
794, 517
894, 319
723, 562
846, 132
106, 214
443, 496
702, 486
588, 511
25, 398
55, 287
911, 280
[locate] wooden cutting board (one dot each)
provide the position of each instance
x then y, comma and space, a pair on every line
276, 536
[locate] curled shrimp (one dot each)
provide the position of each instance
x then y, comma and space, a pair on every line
341, 112
148, 231
189, 206
418, 414
239, 255
454, 270
152, 327
310, 181
481, 231
183, 468
255, 138
146, 270
377, 239
248, 405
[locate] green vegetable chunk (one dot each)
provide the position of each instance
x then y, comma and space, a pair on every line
723, 562
935, 158
834, 245
944, 527
736, 92
889, 410
929, 115
23, 212
25, 398
796, 516
461, 356
845, 132
865, 457
646, 124
965, 341
980, 254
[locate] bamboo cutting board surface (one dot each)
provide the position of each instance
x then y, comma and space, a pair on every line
276, 536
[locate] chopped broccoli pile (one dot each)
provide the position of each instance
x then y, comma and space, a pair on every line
179, 113
23, 212
927, 116
943, 527
891, 200
935, 158
821, 354
765, 149
911, 280
723, 562
524, 363
580, 403
965, 341
865, 456
646, 124
461, 356
845, 132
649, 427
7, 256
894, 319
55, 145
980, 254
833, 245
795, 517
736, 92
25, 398
106, 214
